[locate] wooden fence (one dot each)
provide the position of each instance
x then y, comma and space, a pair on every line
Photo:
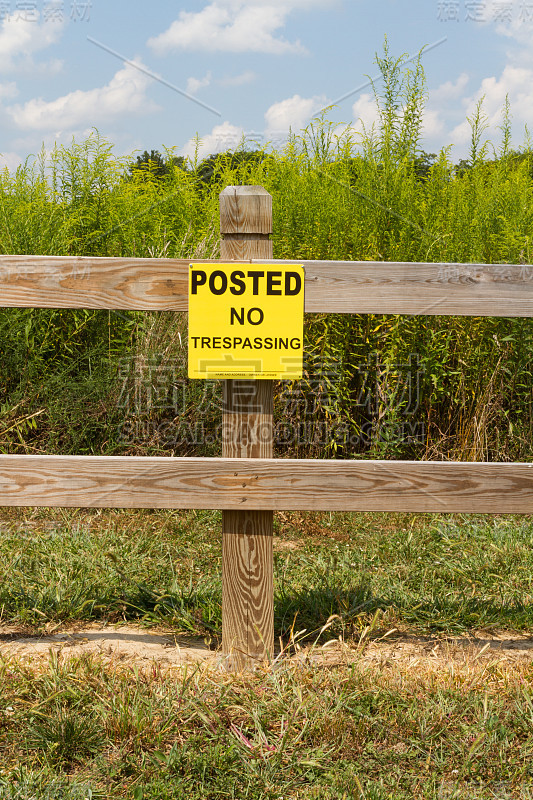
247, 483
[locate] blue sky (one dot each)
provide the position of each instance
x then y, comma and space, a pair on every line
153, 75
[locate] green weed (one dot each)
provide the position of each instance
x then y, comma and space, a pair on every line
429, 573
295, 731
374, 386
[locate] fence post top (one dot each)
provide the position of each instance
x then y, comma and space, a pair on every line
245, 209
241, 191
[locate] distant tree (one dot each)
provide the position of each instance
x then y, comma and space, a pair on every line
462, 167
208, 168
423, 164
513, 159
156, 165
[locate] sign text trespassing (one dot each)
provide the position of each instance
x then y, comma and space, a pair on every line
246, 321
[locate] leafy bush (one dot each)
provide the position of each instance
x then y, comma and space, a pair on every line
375, 385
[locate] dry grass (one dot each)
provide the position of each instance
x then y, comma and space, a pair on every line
380, 719
427, 692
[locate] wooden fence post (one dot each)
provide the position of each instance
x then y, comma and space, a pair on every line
247, 432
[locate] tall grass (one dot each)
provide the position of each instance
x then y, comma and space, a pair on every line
81, 729
375, 385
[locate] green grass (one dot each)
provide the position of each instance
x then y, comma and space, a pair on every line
79, 729
428, 572
294, 732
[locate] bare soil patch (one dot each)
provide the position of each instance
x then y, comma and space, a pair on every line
404, 653
144, 646
118, 642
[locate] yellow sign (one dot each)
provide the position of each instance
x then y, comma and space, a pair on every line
246, 321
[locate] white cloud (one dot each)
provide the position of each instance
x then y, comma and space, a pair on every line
238, 80
10, 160
21, 38
443, 103
195, 84
223, 137
514, 82
512, 19
232, 26
365, 113
515, 22
293, 113
124, 94
432, 123
449, 90
52, 67
8, 90
290, 114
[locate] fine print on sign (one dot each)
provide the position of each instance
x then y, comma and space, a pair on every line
246, 321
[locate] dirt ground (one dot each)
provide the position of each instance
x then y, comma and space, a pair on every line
118, 642
144, 646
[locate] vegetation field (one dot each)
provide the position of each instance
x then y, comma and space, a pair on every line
450, 718
453, 720
374, 386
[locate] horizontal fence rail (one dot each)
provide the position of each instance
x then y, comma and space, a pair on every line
150, 284
351, 287
248, 488
395, 287
265, 484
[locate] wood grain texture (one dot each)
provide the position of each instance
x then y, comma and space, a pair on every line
83, 282
237, 248
247, 432
245, 210
247, 588
360, 287
265, 484
247, 421
352, 287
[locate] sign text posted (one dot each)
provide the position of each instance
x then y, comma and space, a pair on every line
246, 321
